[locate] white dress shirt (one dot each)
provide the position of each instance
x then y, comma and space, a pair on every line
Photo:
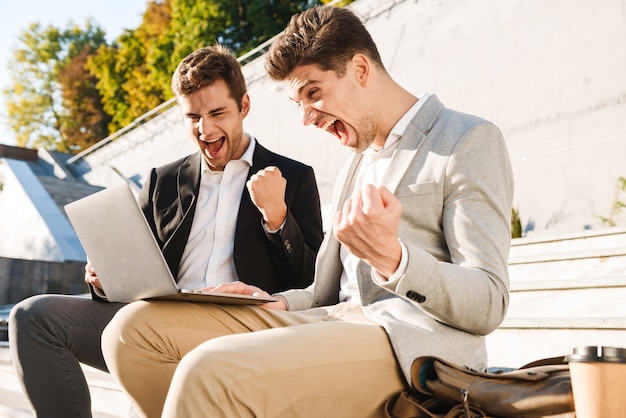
374, 164
208, 256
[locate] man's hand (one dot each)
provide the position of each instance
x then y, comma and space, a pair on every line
91, 277
267, 190
246, 289
367, 226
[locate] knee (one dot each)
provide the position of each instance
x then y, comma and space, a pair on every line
122, 323
199, 362
206, 365
213, 380
29, 315
212, 361
124, 330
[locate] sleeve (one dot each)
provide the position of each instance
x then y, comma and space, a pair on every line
464, 282
297, 242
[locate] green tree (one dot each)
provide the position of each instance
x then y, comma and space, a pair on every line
127, 80
70, 88
88, 122
250, 23
38, 111
134, 72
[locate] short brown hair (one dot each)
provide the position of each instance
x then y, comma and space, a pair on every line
204, 67
327, 36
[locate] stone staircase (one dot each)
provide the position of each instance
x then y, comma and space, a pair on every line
566, 291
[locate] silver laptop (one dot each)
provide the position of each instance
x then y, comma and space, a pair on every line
126, 257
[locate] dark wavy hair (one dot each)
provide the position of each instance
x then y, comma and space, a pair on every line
205, 66
326, 36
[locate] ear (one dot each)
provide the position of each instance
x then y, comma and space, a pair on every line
245, 105
362, 67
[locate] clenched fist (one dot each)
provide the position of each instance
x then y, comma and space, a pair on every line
267, 190
367, 226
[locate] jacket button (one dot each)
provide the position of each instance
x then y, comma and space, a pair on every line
287, 245
415, 296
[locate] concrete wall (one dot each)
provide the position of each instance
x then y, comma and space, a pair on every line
23, 233
550, 73
153, 143
20, 279
32, 227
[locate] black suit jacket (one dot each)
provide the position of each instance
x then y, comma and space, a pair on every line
273, 262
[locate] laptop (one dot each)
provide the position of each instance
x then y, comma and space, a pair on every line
126, 257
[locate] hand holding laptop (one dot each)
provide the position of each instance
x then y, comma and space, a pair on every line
91, 277
241, 288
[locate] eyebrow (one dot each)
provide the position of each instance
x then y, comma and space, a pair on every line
304, 85
217, 110
210, 112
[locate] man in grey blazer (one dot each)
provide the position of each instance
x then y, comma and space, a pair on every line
52, 334
414, 264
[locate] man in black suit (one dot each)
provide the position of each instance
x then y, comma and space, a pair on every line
233, 211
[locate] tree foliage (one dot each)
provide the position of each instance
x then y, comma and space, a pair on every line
71, 88
134, 72
44, 105
128, 78
88, 122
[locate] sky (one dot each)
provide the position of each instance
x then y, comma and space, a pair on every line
16, 15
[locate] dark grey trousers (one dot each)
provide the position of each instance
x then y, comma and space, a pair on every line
49, 335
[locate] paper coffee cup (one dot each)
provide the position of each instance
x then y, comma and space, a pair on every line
598, 381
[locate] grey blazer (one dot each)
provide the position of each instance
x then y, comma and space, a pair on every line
452, 174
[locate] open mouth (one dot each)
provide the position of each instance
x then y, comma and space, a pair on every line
215, 145
336, 128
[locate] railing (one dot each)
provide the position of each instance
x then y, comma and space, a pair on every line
243, 60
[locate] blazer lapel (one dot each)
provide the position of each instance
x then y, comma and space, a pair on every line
412, 139
261, 158
328, 265
188, 179
347, 177
188, 183
402, 157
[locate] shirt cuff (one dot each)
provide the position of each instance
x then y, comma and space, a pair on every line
404, 261
276, 231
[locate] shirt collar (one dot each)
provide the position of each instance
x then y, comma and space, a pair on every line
398, 129
400, 126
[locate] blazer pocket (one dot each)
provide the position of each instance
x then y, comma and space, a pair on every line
417, 189
419, 203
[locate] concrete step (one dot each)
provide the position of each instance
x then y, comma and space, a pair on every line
12, 401
588, 298
566, 291
568, 246
592, 254
108, 401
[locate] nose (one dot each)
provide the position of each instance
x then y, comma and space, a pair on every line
204, 125
307, 114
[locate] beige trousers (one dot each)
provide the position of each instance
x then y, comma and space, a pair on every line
187, 360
